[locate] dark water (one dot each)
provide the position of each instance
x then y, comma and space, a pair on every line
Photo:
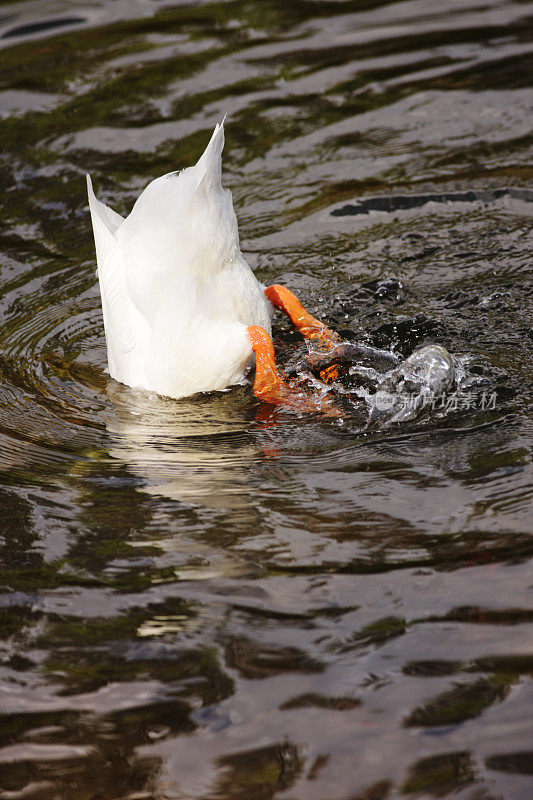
210, 598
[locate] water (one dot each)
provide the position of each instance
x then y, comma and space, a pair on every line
216, 599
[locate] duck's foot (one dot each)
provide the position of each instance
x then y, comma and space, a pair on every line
269, 386
311, 328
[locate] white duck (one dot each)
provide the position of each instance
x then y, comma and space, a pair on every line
183, 312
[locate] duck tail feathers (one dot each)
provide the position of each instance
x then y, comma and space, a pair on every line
110, 218
209, 164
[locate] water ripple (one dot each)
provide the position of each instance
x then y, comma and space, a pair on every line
218, 598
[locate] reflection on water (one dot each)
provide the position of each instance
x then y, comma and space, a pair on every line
197, 451
214, 598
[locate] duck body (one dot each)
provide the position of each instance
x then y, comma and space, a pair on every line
177, 294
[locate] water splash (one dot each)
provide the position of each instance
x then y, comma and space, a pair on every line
404, 392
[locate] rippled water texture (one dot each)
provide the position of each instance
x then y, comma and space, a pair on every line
213, 599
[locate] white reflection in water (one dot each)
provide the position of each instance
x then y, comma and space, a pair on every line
198, 450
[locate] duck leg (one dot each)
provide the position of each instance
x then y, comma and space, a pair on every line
270, 387
311, 328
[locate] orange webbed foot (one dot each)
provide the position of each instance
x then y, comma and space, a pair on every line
270, 387
311, 328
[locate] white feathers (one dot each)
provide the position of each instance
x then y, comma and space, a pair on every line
116, 311
177, 294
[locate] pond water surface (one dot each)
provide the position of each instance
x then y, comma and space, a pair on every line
219, 600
